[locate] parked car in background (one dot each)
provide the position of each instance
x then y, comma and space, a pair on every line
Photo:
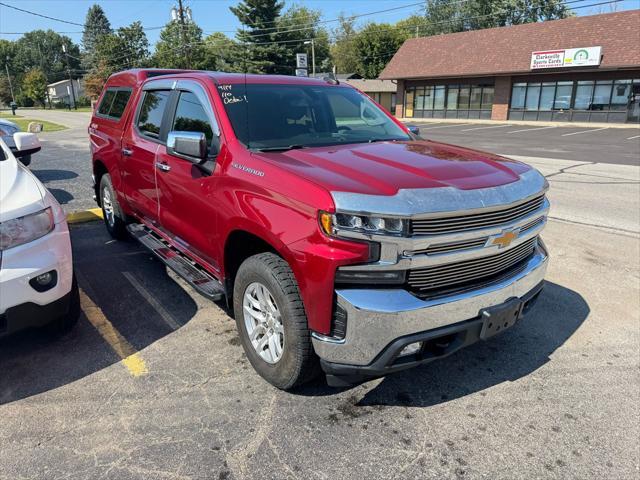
341, 239
37, 286
7, 129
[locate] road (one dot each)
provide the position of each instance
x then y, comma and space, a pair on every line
554, 398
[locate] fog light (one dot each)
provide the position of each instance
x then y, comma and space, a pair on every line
44, 281
410, 349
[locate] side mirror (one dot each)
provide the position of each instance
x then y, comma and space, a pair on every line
25, 144
414, 129
191, 146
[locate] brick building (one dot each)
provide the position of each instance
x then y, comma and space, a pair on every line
577, 69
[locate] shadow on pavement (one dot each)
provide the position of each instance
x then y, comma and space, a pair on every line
33, 362
507, 357
62, 196
53, 175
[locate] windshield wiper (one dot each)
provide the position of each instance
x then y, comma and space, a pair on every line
282, 148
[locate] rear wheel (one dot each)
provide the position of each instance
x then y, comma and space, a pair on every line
272, 323
111, 212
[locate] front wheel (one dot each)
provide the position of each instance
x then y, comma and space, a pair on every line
111, 212
272, 323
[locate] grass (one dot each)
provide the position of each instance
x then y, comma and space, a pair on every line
23, 123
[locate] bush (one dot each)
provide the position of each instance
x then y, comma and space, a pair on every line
83, 102
24, 101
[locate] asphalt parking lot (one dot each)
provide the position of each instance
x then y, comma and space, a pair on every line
555, 397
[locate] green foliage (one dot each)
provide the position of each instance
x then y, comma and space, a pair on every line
297, 25
260, 18
180, 46
96, 25
5, 91
128, 47
43, 50
34, 85
221, 54
374, 46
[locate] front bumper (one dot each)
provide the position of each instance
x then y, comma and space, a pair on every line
22, 304
378, 318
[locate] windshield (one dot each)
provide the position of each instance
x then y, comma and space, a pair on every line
272, 117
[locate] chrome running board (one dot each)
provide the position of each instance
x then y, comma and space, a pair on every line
196, 276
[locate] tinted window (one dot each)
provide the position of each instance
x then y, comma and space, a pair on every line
191, 117
119, 103
105, 104
151, 112
276, 116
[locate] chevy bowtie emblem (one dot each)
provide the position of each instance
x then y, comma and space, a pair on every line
505, 238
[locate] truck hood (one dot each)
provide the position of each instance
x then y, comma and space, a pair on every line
383, 168
20, 191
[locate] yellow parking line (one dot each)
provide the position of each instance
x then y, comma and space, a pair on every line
85, 215
131, 359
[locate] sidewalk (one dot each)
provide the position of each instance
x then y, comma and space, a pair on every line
417, 121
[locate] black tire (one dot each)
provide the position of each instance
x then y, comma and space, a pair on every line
65, 323
114, 219
298, 363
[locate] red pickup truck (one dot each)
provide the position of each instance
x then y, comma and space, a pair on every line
342, 240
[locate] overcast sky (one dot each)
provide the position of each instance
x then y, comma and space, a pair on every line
211, 15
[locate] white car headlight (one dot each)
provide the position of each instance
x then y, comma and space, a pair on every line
25, 229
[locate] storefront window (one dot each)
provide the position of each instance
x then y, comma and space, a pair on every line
547, 95
487, 97
438, 97
408, 106
518, 94
563, 96
601, 96
463, 98
620, 94
452, 98
584, 93
533, 96
476, 98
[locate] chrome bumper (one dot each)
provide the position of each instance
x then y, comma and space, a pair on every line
375, 318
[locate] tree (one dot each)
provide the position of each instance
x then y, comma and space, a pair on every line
374, 45
296, 26
96, 25
43, 50
221, 53
343, 54
260, 18
34, 85
179, 46
128, 47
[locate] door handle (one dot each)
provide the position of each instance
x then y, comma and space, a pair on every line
127, 152
163, 166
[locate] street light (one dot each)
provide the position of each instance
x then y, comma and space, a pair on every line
313, 55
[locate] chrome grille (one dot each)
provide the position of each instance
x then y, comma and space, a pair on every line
429, 279
452, 246
450, 224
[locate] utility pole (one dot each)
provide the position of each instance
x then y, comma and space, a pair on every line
6, 64
73, 92
313, 55
185, 46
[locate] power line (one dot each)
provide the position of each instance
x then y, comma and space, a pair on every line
41, 15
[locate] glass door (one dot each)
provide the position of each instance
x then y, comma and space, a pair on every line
633, 108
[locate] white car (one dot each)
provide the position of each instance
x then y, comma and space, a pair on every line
37, 285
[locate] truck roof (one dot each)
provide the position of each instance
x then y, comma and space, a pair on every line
134, 77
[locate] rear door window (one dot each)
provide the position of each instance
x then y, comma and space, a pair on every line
114, 102
107, 100
151, 112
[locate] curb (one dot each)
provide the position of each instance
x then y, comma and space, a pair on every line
518, 123
83, 216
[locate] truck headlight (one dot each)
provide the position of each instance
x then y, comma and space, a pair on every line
370, 224
21, 230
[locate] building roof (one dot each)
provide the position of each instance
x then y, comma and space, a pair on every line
61, 82
508, 49
373, 86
